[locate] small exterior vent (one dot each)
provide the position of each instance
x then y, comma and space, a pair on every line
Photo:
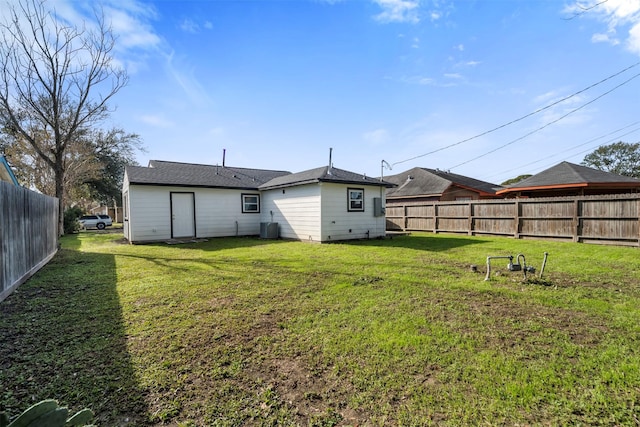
269, 230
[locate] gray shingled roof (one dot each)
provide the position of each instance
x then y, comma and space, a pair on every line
323, 174
566, 173
194, 175
424, 182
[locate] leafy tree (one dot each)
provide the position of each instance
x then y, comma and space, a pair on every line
114, 149
94, 165
55, 82
516, 179
622, 158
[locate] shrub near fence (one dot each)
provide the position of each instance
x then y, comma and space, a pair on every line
28, 234
608, 219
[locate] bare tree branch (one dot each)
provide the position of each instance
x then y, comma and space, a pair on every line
55, 82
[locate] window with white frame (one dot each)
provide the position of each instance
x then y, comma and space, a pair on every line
250, 203
355, 199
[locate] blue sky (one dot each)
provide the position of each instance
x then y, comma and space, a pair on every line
279, 83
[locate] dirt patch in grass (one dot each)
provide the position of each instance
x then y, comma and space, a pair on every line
509, 323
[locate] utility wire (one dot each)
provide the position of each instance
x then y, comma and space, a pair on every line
520, 118
617, 138
576, 146
547, 124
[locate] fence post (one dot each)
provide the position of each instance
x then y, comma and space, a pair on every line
576, 220
516, 219
404, 217
638, 215
471, 219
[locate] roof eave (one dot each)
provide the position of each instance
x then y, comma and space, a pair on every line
542, 187
573, 185
355, 182
287, 184
475, 190
222, 187
416, 196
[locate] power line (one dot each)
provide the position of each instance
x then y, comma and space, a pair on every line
576, 146
520, 118
547, 124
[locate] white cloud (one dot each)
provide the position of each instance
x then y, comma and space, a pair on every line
634, 39
567, 112
454, 76
216, 131
546, 98
376, 137
132, 30
137, 41
604, 38
129, 21
185, 78
398, 11
156, 121
189, 26
620, 17
624, 9
446, 80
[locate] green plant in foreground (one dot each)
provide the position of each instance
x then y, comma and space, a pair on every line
47, 413
71, 224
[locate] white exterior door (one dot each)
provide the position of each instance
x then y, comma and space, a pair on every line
182, 215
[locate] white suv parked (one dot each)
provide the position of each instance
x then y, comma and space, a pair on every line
95, 221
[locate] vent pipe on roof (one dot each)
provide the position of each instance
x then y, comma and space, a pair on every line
224, 155
330, 161
382, 165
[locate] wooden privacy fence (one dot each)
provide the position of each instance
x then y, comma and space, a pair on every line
28, 234
609, 219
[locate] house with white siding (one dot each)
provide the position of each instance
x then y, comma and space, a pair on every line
171, 200
325, 204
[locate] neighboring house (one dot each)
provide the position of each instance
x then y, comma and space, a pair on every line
325, 204
421, 185
6, 174
568, 179
169, 200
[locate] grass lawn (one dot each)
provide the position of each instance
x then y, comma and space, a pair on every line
242, 331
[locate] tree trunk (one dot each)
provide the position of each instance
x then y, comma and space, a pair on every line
59, 175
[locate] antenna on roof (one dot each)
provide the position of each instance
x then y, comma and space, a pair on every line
224, 155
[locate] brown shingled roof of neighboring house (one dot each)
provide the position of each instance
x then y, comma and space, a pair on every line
567, 175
